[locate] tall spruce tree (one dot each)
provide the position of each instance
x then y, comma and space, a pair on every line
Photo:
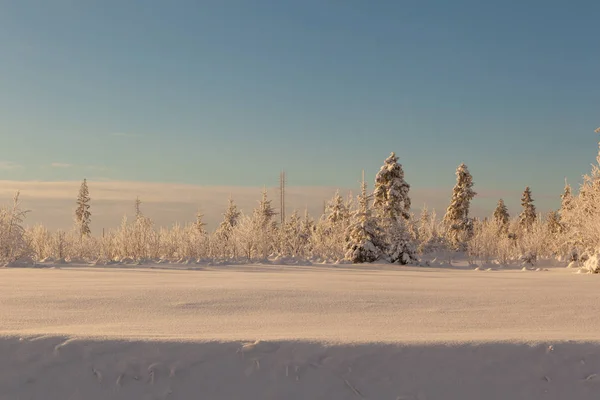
458, 224
390, 195
83, 215
528, 215
391, 205
501, 217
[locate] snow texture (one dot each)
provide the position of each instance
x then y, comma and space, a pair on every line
318, 332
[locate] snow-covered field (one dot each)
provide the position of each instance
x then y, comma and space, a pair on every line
298, 332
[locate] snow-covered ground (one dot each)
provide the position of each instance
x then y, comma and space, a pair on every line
323, 332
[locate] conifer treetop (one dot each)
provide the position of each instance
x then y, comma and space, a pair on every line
528, 215
200, 224
83, 216
337, 209
265, 210
390, 195
462, 194
501, 215
231, 215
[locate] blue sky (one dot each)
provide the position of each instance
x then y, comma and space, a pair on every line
229, 92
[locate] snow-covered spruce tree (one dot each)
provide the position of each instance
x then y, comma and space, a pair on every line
83, 216
528, 215
459, 227
390, 194
566, 203
398, 243
391, 205
336, 209
363, 236
501, 217
307, 230
570, 241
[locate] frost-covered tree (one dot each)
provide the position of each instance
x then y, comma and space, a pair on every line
265, 226
363, 237
327, 242
391, 206
60, 244
245, 237
501, 217
566, 198
13, 241
390, 195
307, 230
553, 222
200, 224
456, 220
399, 246
291, 236
328, 237
582, 219
265, 212
528, 215
337, 210
589, 193
224, 245
428, 235
83, 215
483, 243
230, 219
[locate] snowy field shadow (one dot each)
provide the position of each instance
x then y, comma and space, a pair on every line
52, 368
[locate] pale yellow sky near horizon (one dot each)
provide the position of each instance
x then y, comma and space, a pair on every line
53, 203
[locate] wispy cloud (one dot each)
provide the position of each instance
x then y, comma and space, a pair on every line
8, 165
125, 135
60, 165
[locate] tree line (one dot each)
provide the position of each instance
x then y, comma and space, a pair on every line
375, 226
